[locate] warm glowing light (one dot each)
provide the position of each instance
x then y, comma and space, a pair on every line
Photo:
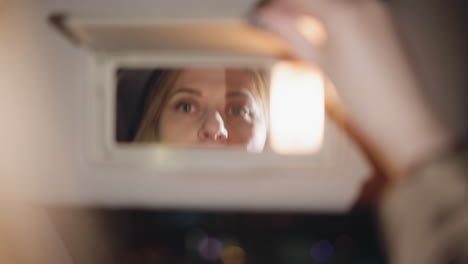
312, 29
296, 108
233, 255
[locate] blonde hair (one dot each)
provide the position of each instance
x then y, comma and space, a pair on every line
148, 130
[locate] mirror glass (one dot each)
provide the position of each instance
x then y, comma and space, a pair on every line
196, 106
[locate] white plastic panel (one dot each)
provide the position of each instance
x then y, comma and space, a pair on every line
48, 151
174, 25
228, 35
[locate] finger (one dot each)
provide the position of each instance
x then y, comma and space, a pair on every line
283, 23
310, 7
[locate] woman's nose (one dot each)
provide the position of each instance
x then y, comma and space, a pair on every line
212, 129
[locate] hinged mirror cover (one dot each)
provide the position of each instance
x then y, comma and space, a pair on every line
200, 26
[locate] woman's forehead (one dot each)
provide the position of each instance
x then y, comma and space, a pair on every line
202, 78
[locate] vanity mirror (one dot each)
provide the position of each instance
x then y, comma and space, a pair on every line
216, 106
202, 84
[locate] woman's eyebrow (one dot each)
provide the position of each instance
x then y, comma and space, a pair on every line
186, 90
242, 93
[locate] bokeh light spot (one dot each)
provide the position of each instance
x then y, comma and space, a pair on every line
321, 251
209, 248
233, 255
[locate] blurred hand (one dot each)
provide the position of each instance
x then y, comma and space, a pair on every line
362, 54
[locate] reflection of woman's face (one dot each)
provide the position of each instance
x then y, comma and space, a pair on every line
214, 106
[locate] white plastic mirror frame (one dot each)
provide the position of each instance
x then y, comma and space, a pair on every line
102, 148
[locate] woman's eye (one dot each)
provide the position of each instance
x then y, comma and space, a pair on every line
185, 107
239, 110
